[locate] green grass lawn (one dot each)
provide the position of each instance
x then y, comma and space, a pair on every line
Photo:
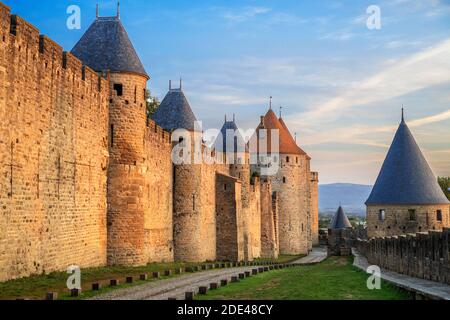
333, 279
36, 287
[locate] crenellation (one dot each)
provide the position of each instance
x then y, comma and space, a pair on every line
90, 180
422, 255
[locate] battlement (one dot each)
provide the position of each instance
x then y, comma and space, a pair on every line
40, 49
153, 131
422, 255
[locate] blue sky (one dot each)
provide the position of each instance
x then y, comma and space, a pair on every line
341, 84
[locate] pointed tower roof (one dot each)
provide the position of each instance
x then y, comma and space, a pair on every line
405, 177
288, 135
340, 220
221, 142
287, 144
106, 46
175, 112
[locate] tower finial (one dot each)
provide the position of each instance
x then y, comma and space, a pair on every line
403, 113
97, 11
118, 9
281, 111
295, 134
270, 105
181, 83
225, 118
234, 117
170, 85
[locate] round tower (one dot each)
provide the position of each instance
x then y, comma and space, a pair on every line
106, 47
190, 225
291, 182
406, 197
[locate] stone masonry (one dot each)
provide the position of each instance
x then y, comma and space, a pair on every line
87, 179
421, 255
53, 155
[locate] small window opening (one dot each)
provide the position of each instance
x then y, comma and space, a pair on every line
439, 215
382, 215
119, 89
412, 215
112, 135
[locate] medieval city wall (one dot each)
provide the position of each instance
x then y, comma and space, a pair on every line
53, 155
158, 222
421, 255
229, 219
398, 219
252, 221
292, 183
194, 215
314, 207
140, 178
269, 222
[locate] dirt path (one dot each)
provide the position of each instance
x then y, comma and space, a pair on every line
177, 287
173, 288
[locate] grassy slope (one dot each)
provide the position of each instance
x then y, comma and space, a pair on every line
36, 287
334, 279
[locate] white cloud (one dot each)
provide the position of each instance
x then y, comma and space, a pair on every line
421, 70
246, 13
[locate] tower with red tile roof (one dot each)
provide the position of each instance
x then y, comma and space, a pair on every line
291, 180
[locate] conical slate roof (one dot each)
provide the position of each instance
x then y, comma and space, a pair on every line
221, 141
106, 46
287, 144
175, 112
405, 177
340, 220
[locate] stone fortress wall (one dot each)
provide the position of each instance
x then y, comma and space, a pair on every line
53, 155
86, 179
292, 182
404, 219
421, 255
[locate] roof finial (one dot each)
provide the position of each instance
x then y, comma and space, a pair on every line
234, 117
225, 118
181, 83
295, 134
403, 113
270, 105
281, 110
97, 12
118, 9
170, 85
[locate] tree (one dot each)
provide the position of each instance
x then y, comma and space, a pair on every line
445, 185
152, 103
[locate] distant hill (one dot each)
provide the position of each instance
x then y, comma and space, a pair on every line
351, 196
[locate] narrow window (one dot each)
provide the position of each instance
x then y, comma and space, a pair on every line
135, 94
193, 202
225, 187
112, 135
284, 179
119, 89
412, 215
382, 215
287, 159
439, 215
296, 159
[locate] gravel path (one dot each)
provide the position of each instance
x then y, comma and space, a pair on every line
190, 282
173, 288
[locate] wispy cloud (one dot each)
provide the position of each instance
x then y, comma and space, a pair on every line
244, 14
423, 69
